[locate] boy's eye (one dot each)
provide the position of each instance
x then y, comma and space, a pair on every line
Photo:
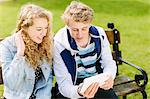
74, 29
84, 29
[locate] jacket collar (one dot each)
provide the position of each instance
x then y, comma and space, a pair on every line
46, 70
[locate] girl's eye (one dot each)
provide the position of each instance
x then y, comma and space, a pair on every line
38, 29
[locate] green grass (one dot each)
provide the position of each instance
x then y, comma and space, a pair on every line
131, 18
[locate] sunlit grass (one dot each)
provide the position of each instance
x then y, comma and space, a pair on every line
131, 18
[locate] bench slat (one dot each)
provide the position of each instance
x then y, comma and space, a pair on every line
125, 89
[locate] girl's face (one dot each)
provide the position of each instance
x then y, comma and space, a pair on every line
79, 31
38, 30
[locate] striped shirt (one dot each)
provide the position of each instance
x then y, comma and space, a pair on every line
86, 61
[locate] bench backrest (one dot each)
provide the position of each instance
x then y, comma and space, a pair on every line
113, 36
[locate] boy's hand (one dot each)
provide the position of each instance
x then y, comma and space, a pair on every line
91, 90
108, 83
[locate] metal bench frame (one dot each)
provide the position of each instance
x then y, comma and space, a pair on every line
121, 82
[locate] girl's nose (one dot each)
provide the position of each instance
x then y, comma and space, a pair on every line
43, 33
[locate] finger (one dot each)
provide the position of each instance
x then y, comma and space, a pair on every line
109, 83
19, 32
106, 87
20, 36
79, 89
19, 43
105, 84
89, 89
18, 39
94, 90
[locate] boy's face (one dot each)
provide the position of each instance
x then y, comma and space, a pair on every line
79, 31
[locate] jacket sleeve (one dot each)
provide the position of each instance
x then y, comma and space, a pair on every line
63, 77
108, 64
12, 67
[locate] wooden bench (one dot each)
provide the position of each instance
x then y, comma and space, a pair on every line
124, 85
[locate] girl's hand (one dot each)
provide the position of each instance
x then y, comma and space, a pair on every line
20, 43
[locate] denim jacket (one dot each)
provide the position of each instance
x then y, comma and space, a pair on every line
18, 75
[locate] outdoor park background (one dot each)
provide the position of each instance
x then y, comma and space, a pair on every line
131, 18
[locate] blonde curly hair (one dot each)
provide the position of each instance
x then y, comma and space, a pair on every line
35, 53
78, 12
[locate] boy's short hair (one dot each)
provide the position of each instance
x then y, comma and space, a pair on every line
78, 12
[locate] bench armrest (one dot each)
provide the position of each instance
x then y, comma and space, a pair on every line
138, 77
